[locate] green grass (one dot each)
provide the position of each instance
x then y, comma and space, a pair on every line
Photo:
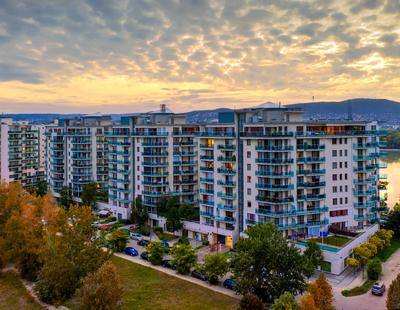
334, 240
148, 289
359, 290
165, 236
388, 251
13, 294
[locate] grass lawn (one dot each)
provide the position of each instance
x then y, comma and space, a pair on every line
388, 251
334, 240
13, 294
149, 289
359, 290
166, 236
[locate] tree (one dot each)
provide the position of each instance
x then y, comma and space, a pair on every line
353, 263
266, 265
322, 293
313, 254
118, 240
385, 235
89, 195
285, 302
362, 253
41, 188
378, 242
173, 219
393, 221
156, 252
66, 197
308, 303
101, 290
215, 266
139, 213
251, 302
374, 269
393, 297
184, 257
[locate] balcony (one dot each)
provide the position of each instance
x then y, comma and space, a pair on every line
226, 207
277, 161
273, 187
275, 200
209, 203
185, 163
310, 147
207, 157
308, 160
207, 214
155, 173
270, 174
311, 197
185, 153
154, 164
272, 134
226, 183
185, 172
205, 168
154, 184
274, 148
149, 134
153, 194
155, 154
227, 159
302, 224
365, 205
226, 147
310, 184
364, 193
364, 217
226, 171
225, 219
206, 181
154, 144
226, 195
214, 134
293, 212
206, 191
207, 146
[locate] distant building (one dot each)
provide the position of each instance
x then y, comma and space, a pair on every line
22, 149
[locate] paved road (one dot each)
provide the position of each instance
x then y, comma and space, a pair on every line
391, 268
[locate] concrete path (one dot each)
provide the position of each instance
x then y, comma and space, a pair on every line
216, 288
391, 268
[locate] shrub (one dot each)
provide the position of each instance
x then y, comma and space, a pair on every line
251, 302
144, 230
158, 230
101, 290
156, 252
374, 269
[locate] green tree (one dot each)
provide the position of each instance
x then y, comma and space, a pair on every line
385, 235
267, 266
393, 297
251, 302
139, 212
173, 219
101, 290
374, 269
156, 252
66, 197
89, 195
314, 255
378, 242
118, 240
215, 266
362, 253
393, 221
184, 257
41, 188
285, 302
322, 293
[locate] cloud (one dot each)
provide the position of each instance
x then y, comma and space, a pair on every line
14, 73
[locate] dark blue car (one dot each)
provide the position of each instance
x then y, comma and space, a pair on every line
231, 284
131, 251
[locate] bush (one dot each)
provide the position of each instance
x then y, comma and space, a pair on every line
158, 230
156, 252
374, 269
251, 302
144, 230
101, 289
359, 290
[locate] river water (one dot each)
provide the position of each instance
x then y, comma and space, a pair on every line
393, 177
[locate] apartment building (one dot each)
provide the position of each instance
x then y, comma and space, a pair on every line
77, 153
22, 150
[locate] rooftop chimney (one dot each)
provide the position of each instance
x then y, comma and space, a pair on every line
163, 108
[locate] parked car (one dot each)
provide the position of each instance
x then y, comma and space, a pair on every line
231, 284
144, 255
131, 251
378, 288
143, 242
104, 227
165, 244
198, 275
95, 224
136, 236
167, 264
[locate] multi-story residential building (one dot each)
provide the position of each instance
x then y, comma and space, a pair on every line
77, 153
22, 152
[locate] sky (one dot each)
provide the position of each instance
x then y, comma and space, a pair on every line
87, 56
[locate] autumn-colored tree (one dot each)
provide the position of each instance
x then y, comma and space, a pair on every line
118, 240
322, 293
353, 263
385, 235
101, 290
393, 297
285, 302
362, 253
307, 303
378, 242
251, 302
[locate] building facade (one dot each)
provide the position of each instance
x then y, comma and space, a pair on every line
22, 150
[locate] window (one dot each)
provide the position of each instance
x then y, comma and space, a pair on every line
248, 167
248, 154
345, 176
338, 213
345, 164
340, 141
341, 153
248, 179
334, 189
248, 141
341, 201
334, 153
346, 200
340, 177
334, 141
138, 149
345, 152
334, 201
334, 165
345, 140
249, 191
346, 188
248, 203
334, 177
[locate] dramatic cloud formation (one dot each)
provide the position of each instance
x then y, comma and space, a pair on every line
130, 55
